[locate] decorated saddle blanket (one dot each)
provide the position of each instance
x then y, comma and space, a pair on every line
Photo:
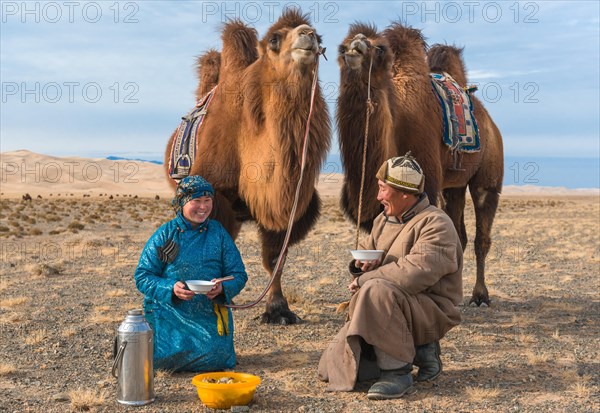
183, 149
460, 128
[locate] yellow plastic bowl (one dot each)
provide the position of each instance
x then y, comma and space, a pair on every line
225, 395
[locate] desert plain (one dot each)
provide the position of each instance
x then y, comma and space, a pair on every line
66, 283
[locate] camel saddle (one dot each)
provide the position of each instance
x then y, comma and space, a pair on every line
461, 133
183, 149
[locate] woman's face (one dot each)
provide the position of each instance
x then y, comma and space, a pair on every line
197, 210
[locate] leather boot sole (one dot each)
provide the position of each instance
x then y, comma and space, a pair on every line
385, 396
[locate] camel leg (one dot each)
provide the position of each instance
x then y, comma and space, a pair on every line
454, 206
485, 201
224, 213
433, 181
277, 308
431, 189
345, 203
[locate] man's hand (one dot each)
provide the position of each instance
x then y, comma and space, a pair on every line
353, 286
366, 266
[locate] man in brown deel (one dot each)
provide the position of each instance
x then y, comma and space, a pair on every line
404, 304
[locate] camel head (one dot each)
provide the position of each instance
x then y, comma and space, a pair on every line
363, 44
291, 43
446, 58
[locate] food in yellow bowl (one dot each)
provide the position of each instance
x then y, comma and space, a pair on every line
224, 389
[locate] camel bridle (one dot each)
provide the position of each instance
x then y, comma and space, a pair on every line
284, 248
369, 111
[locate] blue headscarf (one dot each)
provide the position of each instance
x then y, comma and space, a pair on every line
191, 187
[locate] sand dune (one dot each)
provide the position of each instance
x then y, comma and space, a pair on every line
37, 174
27, 172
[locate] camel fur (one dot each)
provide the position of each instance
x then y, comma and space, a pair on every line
407, 117
250, 144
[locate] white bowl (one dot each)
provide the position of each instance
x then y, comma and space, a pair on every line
200, 286
367, 255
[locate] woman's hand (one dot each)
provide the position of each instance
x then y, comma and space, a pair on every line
181, 292
216, 290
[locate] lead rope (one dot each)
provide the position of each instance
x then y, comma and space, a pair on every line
283, 252
364, 159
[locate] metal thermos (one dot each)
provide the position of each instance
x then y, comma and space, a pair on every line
134, 350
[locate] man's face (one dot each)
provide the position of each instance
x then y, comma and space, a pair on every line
394, 202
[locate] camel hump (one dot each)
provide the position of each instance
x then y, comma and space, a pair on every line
207, 69
239, 44
449, 59
402, 37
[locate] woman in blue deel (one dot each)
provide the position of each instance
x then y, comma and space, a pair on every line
191, 332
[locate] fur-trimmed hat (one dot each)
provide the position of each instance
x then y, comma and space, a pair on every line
403, 173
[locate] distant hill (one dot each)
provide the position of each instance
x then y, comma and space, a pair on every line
120, 158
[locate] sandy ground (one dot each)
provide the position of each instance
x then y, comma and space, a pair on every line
66, 283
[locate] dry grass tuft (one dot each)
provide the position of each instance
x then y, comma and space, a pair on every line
526, 338
293, 295
326, 281
84, 400
115, 293
523, 320
46, 270
163, 374
100, 315
285, 341
582, 388
10, 318
6, 369
536, 357
69, 332
564, 307
13, 302
104, 318
36, 337
75, 226
477, 394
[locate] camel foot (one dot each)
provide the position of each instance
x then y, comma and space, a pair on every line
280, 316
478, 300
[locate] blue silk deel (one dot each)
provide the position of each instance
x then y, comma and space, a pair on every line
186, 333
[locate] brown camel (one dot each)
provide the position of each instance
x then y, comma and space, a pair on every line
412, 110
364, 47
250, 145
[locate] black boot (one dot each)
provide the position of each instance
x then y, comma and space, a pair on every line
392, 384
429, 362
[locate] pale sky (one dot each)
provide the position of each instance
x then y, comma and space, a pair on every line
114, 78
